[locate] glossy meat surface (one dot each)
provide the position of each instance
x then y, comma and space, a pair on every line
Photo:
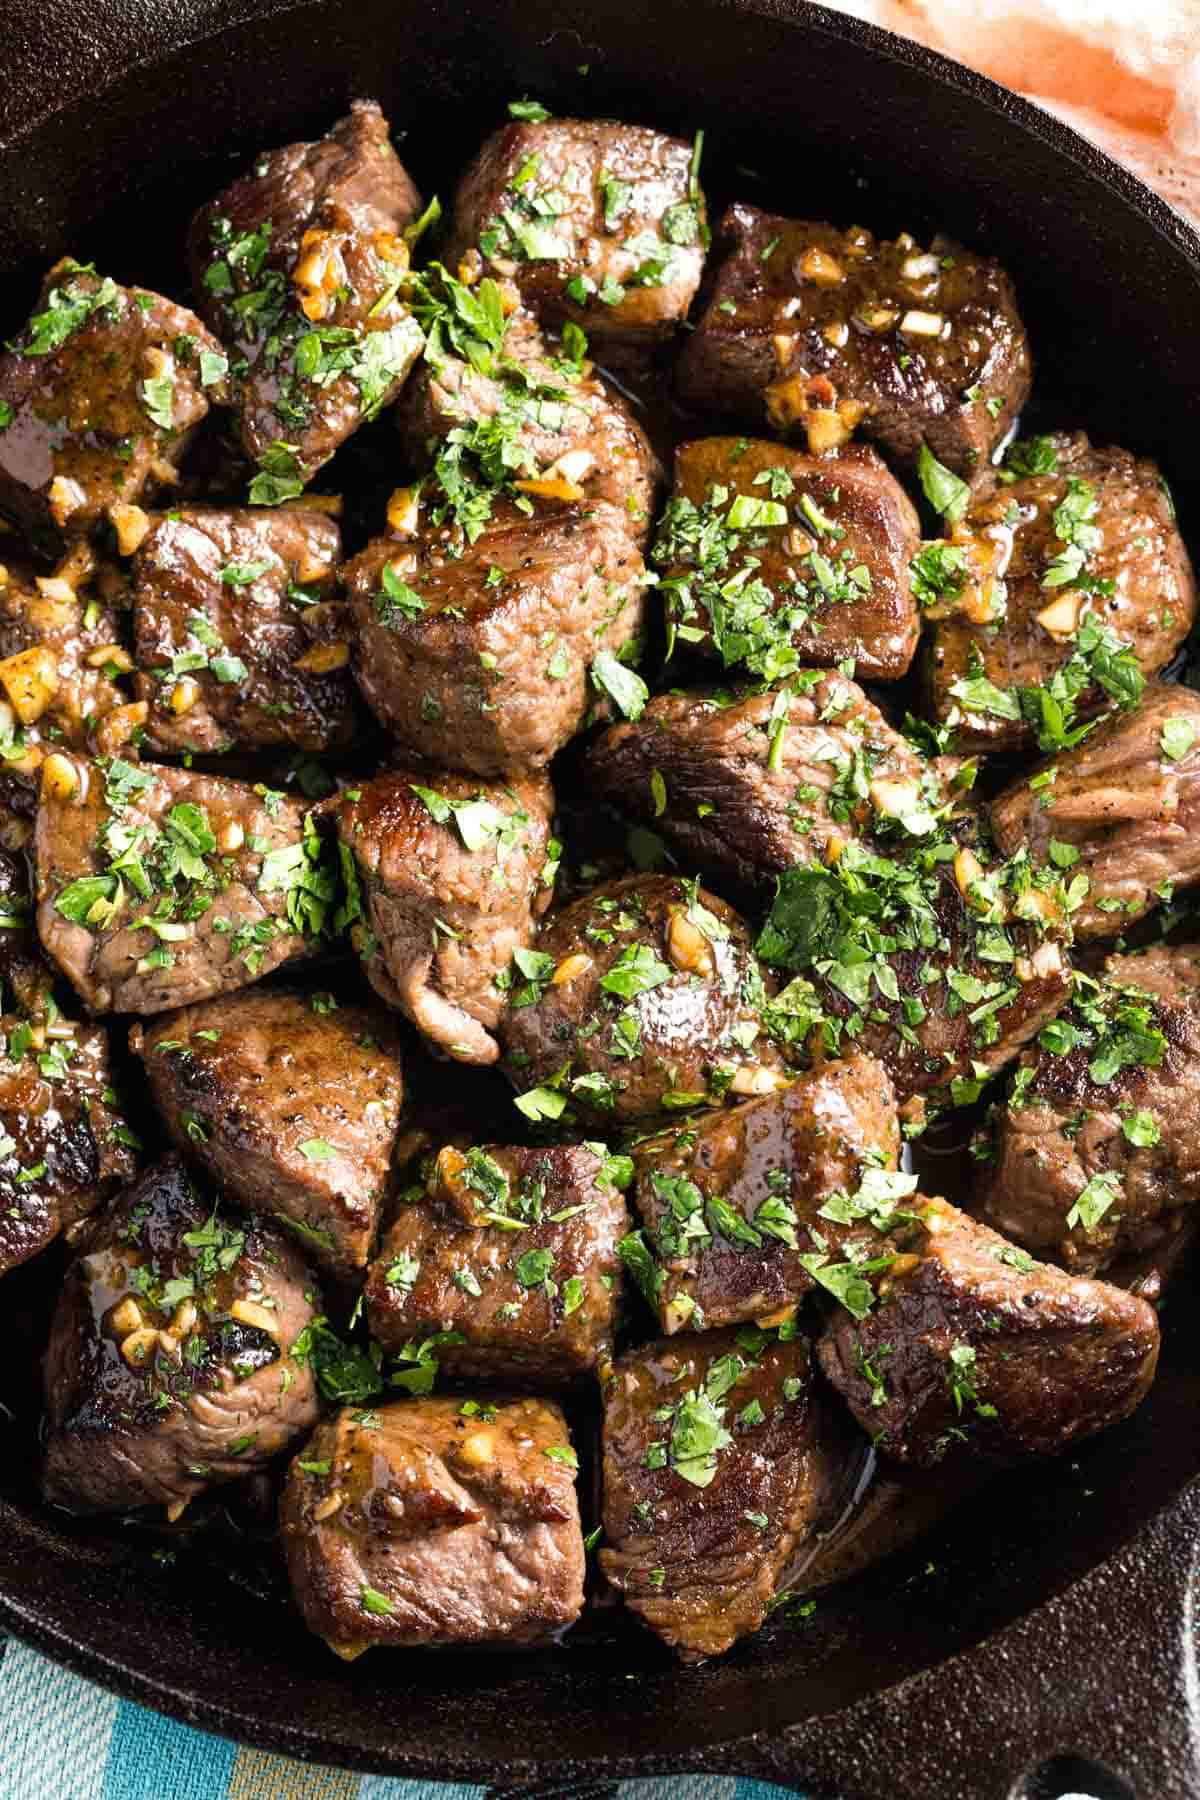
740, 1206
436, 1521
751, 786
1122, 809
808, 325
557, 420
297, 267
216, 885
235, 615
480, 653
514, 1253
719, 1468
451, 876
292, 1103
648, 999
1097, 1146
771, 559
1093, 536
62, 658
100, 393
975, 1347
171, 1366
65, 1144
597, 222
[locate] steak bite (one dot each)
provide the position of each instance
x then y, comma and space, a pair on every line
436, 1521
479, 653
513, 1254
1122, 809
973, 1343
595, 221
1096, 1146
158, 886
939, 966
806, 325
772, 559
64, 1145
719, 1469
742, 1208
101, 394
646, 996
448, 880
292, 1103
298, 267
168, 1370
61, 657
240, 640
1065, 582
750, 787
516, 398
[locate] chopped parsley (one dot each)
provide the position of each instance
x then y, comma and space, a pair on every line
945, 491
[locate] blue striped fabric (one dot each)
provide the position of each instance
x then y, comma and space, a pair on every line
62, 1738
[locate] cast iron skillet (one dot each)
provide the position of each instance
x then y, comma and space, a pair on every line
1041, 1641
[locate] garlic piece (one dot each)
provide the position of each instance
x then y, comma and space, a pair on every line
259, 1318
59, 778
1061, 617
687, 946
818, 266
323, 659
755, 1079
916, 323
570, 968
30, 679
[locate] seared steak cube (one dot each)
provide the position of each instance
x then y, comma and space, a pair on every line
807, 325
594, 221
741, 1207
753, 786
158, 886
239, 638
449, 876
297, 266
100, 395
436, 1521
555, 426
511, 1252
61, 656
646, 998
1066, 585
772, 559
64, 1146
719, 1470
169, 1367
1096, 1148
974, 1344
479, 654
292, 1103
939, 966
1121, 809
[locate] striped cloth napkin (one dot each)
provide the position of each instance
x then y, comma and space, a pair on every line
62, 1738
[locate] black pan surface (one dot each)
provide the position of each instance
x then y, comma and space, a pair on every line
1041, 1641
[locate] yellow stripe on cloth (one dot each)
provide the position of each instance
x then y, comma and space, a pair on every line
257, 1775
